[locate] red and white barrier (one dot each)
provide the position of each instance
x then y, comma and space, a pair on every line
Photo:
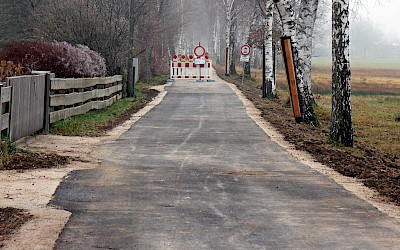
189, 70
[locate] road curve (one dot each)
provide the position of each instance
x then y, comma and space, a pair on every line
197, 173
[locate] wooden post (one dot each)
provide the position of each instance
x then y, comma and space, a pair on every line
130, 86
47, 88
287, 53
227, 60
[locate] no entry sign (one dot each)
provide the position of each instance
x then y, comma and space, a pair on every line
199, 51
245, 50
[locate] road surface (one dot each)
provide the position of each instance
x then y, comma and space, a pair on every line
197, 173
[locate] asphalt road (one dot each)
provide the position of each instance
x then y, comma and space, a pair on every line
197, 173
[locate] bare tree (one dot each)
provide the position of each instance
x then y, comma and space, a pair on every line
342, 126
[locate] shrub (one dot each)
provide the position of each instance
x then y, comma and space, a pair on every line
61, 58
8, 69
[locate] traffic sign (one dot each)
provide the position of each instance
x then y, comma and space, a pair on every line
244, 58
200, 61
199, 51
245, 50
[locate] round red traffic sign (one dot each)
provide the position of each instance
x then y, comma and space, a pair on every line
199, 51
245, 50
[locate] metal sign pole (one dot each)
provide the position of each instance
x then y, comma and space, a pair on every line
243, 72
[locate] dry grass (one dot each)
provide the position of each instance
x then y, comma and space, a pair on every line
375, 103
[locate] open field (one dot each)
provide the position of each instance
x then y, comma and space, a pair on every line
375, 101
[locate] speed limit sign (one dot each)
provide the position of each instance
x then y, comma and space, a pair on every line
245, 50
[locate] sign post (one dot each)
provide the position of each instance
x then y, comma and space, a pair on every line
245, 51
199, 52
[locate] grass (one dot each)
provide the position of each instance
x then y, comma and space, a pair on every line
94, 122
91, 123
8, 149
375, 101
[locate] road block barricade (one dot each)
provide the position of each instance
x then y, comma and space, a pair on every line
189, 70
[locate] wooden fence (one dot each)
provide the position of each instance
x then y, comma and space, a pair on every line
70, 97
5, 100
27, 105
32, 103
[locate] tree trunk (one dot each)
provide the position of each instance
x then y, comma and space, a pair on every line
287, 17
247, 65
232, 48
269, 58
217, 41
305, 29
228, 39
342, 126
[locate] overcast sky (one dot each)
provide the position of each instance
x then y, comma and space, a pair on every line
386, 14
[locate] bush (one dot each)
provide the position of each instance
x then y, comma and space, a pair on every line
8, 69
61, 58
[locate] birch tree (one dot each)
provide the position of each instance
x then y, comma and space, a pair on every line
341, 121
305, 28
217, 40
267, 7
230, 29
287, 16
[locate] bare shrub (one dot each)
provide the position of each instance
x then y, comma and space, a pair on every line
61, 58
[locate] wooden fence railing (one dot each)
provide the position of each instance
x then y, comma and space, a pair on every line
31, 103
70, 97
5, 99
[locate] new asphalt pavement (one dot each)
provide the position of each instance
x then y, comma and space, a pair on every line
197, 173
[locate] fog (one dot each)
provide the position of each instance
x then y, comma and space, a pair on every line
383, 14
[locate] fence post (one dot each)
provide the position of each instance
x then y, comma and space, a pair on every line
46, 120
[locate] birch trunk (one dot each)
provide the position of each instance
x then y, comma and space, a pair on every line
230, 36
305, 29
286, 13
268, 15
342, 126
247, 68
217, 41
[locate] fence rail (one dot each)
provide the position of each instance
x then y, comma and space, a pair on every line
70, 97
31, 103
5, 99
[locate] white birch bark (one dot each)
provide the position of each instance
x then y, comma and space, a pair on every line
341, 121
216, 40
268, 16
287, 16
305, 29
181, 35
229, 15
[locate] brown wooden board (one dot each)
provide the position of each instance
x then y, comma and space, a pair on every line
287, 53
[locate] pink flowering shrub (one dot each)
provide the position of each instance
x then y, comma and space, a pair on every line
61, 58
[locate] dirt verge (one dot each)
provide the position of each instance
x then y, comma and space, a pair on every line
32, 178
377, 170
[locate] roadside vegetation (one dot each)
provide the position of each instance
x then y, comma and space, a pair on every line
375, 157
97, 122
93, 123
375, 101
